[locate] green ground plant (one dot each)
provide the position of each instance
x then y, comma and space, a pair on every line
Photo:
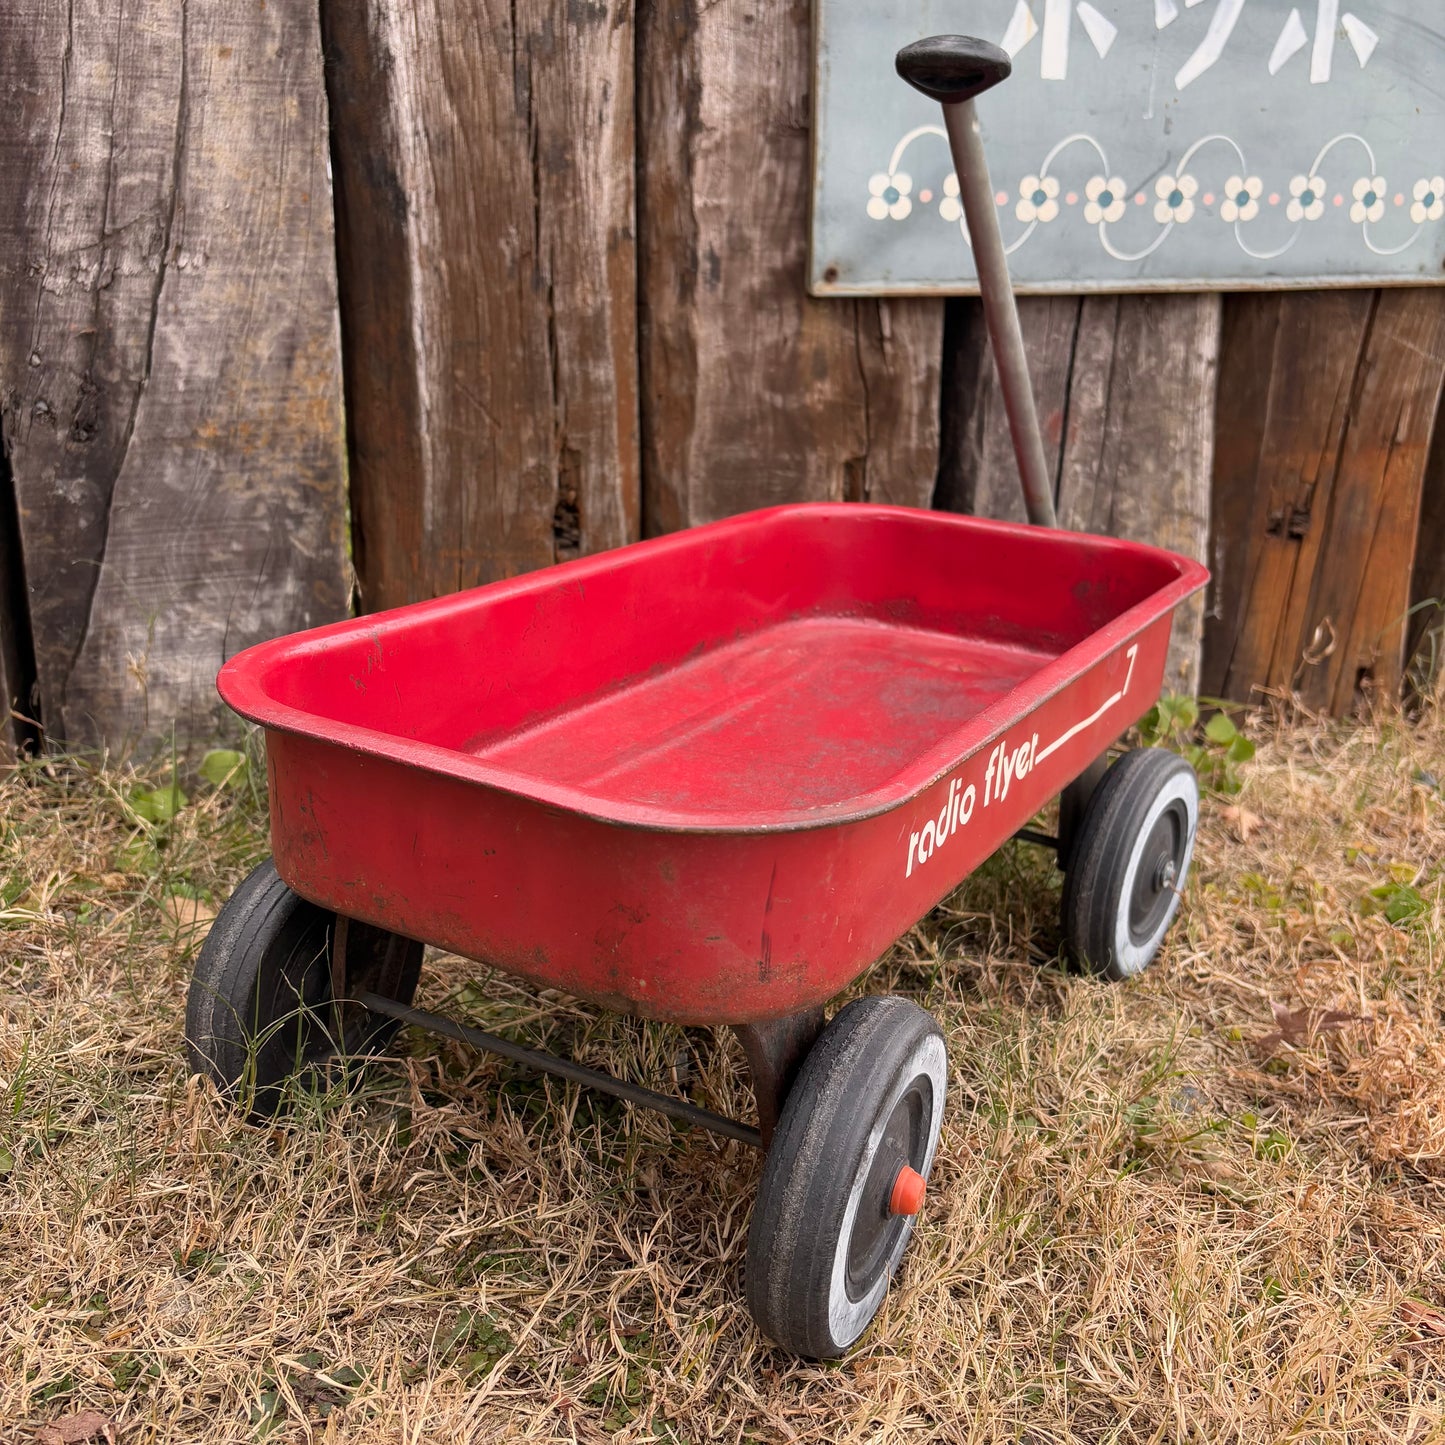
1218, 751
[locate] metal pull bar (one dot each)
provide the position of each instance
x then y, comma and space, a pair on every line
953, 69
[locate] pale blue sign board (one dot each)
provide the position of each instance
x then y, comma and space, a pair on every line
1140, 145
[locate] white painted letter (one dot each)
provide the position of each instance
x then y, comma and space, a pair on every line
1021, 29
1055, 62
1291, 39
1361, 37
1212, 46
912, 845
1322, 57
965, 806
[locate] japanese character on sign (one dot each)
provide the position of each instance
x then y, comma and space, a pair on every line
1055, 36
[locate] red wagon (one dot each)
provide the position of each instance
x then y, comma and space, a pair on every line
710, 778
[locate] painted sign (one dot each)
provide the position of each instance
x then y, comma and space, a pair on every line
1140, 145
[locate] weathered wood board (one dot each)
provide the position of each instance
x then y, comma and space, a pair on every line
754, 393
1330, 400
169, 360
485, 212
14, 626
1425, 645
1124, 388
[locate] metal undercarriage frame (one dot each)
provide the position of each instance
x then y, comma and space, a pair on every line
775, 1048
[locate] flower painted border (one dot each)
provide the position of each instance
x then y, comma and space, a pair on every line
1176, 193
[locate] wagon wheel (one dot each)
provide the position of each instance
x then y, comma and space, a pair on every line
1130, 861
259, 1011
845, 1176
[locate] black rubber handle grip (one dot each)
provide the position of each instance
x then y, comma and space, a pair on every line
952, 68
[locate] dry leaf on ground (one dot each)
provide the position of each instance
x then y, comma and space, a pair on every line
1242, 820
1300, 1027
1425, 1318
70, 1429
191, 916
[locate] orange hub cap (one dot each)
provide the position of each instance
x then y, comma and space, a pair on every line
908, 1191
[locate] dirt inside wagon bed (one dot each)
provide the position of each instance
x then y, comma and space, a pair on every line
1205, 1206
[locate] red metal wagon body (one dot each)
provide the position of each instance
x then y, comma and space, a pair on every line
711, 777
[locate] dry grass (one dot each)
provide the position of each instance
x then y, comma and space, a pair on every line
1144, 1225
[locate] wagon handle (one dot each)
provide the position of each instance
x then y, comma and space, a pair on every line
953, 69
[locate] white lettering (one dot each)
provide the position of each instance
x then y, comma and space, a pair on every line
1006, 763
1322, 57
1362, 39
1006, 771
1221, 26
1054, 64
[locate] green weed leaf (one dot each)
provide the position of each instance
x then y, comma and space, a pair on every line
224, 767
1241, 749
158, 805
1220, 729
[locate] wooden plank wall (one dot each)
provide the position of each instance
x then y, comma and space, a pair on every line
16, 664
1426, 644
169, 353
487, 246
542, 361
570, 254
752, 391
1326, 407
1124, 387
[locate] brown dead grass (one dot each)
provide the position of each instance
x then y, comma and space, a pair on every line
1144, 1225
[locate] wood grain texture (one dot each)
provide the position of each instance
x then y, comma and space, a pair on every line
169, 361
1288, 371
484, 155
9, 689
977, 471
1425, 645
16, 661
753, 392
1125, 393
1363, 594
1139, 437
1327, 402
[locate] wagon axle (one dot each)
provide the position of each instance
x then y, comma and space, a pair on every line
558, 1067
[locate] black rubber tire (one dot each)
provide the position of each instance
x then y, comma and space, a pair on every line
822, 1245
1074, 807
1119, 903
259, 1010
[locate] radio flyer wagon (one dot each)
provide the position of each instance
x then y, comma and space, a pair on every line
710, 778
